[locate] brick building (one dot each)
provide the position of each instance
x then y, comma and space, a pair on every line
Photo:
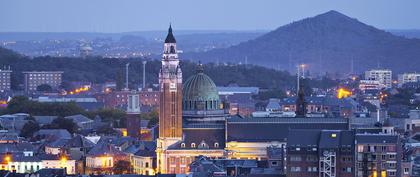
320, 153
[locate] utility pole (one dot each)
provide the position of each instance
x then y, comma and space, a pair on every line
126, 75
144, 74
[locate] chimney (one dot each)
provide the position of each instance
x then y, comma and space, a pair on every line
144, 74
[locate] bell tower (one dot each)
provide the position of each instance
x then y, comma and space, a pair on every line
170, 80
170, 110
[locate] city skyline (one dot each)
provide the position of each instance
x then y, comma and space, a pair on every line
126, 16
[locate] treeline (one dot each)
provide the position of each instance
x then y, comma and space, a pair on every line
100, 70
21, 104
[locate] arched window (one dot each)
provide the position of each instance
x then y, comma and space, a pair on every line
203, 145
216, 145
182, 145
172, 49
192, 145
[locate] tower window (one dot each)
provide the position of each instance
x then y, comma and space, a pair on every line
216, 145
182, 145
193, 145
172, 49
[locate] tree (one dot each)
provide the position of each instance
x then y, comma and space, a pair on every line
23, 104
29, 129
44, 88
106, 130
152, 116
116, 116
63, 123
119, 80
122, 167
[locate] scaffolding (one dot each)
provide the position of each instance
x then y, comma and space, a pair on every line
327, 164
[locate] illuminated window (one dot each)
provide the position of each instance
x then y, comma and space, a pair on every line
193, 145
216, 145
183, 145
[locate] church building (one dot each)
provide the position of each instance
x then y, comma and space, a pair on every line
193, 121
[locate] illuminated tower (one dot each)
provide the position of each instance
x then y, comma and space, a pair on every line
170, 115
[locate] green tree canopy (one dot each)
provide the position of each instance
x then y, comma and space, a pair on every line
29, 129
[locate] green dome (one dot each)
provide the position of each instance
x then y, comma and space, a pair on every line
200, 93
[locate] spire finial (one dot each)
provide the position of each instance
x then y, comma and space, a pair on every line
170, 37
200, 67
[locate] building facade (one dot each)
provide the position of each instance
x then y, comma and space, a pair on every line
5, 83
133, 115
33, 79
384, 76
377, 155
407, 78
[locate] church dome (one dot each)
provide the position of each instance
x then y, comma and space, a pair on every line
200, 93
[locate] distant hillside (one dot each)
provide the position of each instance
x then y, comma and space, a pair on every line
406, 33
7, 55
327, 43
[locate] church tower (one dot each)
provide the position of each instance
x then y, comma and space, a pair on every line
170, 110
170, 80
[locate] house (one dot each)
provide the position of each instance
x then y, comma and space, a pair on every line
57, 161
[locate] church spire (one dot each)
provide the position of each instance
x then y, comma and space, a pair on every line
170, 37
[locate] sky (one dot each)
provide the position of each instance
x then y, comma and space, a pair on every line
145, 15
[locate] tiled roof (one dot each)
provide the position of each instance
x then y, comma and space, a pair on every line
376, 138
277, 129
198, 136
303, 138
79, 118
57, 133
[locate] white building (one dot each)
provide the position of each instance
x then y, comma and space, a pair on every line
384, 76
33, 79
370, 85
5, 80
408, 77
143, 165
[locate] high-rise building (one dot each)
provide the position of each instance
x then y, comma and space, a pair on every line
5, 80
170, 115
33, 79
407, 78
384, 76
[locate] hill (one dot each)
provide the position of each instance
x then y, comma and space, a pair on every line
328, 42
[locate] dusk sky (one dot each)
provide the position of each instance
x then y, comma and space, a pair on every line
141, 15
